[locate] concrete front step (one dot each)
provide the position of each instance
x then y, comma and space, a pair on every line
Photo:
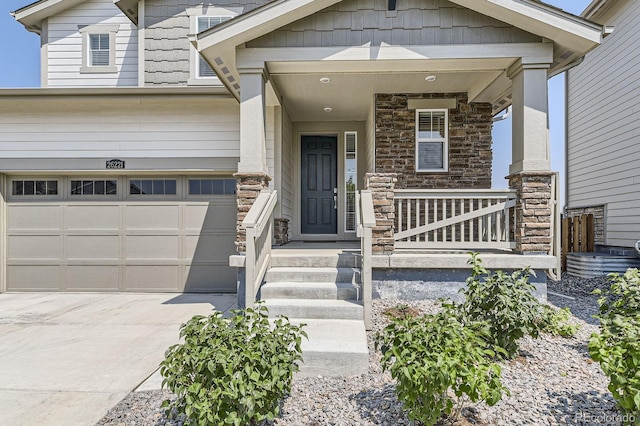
310, 290
334, 348
315, 309
311, 274
315, 260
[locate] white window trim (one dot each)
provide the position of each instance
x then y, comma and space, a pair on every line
110, 29
34, 197
194, 56
178, 195
445, 142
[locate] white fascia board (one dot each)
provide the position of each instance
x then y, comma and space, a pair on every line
32, 15
563, 28
531, 53
115, 91
261, 21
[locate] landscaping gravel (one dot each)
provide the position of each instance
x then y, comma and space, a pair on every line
552, 382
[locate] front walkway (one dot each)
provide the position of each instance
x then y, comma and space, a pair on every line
66, 359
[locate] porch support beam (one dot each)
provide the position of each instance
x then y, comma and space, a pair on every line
253, 148
530, 128
387, 56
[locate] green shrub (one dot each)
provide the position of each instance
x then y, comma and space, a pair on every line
434, 354
617, 346
556, 322
231, 371
505, 302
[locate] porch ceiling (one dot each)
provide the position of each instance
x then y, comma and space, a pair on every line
350, 94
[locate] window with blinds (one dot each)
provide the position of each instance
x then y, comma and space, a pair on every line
350, 174
204, 23
432, 140
99, 50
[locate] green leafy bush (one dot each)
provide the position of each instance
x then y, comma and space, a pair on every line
433, 355
556, 322
617, 346
505, 302
231, 371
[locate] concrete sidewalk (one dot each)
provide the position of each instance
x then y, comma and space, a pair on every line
66, 359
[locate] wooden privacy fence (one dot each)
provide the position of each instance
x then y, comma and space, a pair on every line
577, 236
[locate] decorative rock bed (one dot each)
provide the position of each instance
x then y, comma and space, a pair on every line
552, 382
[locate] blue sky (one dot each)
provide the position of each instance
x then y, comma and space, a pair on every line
20, 68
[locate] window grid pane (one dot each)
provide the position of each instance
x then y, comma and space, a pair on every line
152, 187
212, 186
94, 187
34, 187
99, 50
430, 155
204, 23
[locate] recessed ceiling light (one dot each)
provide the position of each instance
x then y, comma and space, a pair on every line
430, 78
325, 80
328, 109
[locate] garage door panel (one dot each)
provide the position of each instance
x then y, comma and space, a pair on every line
206, 278
162, 217
41, 217
210, 248
93, 217
93, 247
219, 215
152, 278
93, 277
153, 247
33, 278
35, 246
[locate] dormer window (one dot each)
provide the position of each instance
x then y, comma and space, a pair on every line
99, 48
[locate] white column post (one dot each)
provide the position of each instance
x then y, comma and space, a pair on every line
253, 149
530, 126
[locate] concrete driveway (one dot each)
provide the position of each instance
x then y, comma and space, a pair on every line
66, 359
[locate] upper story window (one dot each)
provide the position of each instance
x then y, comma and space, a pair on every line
99, 48
432, 140
203, 24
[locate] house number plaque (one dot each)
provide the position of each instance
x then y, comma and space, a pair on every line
115, 164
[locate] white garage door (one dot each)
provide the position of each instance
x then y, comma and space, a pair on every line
121, 234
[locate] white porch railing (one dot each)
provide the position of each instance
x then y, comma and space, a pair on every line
365, 221
258, 223
471, 219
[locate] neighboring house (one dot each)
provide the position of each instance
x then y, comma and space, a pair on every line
603, 128
159, 122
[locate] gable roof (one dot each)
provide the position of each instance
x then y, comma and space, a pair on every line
31, 15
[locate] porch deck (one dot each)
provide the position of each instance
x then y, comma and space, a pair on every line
420, 258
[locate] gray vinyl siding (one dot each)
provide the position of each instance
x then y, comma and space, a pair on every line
112, 127
604, 127
287, 188
167, 49
64, 53
415, 22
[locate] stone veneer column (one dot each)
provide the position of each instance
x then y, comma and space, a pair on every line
382, 186
533, 211
281, 230
248, 187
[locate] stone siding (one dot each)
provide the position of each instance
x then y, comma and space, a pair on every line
382, 186
414, 22
281, 230
598, 213
533, 211
470, 140
248, 187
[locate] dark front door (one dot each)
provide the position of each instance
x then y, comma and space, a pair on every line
319, 181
